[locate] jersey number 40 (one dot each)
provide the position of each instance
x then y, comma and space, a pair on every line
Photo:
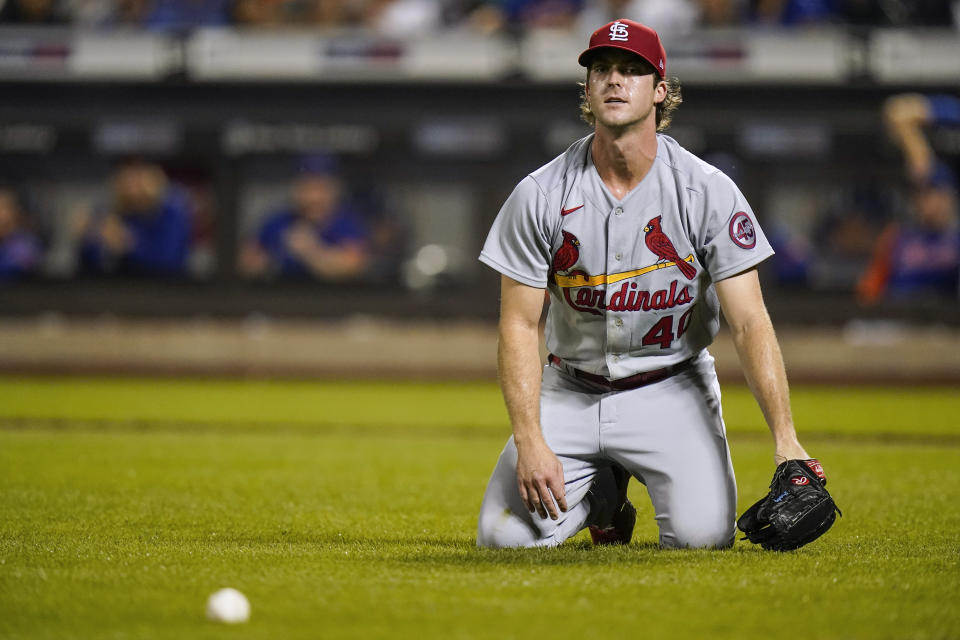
662, 333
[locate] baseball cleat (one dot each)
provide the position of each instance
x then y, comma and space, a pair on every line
620, 529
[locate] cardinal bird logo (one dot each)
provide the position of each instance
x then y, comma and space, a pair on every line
658, 242
568, 253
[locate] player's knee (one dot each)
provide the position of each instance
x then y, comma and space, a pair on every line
504, 530
700, 534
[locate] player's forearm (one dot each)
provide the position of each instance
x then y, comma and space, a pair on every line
518, 366
763, 367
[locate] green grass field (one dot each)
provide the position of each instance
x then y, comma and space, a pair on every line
347, 510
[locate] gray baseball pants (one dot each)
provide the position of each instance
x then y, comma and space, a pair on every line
669, 435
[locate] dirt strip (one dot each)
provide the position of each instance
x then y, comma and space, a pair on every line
362, 347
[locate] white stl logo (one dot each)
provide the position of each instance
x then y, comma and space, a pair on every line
618, 32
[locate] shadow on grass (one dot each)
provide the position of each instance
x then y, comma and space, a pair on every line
574, 554
444, 550
461, 553
402, 430
247, 427
462, 550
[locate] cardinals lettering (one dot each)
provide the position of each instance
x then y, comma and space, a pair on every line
588, 294
628, 298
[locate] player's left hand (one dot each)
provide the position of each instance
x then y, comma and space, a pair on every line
796, 511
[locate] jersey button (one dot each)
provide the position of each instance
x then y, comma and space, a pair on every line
619, 256
618, 211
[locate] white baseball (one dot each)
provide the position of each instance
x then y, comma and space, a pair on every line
228, 605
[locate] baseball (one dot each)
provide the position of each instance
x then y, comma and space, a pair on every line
228, 605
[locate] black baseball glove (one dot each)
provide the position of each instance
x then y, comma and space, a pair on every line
798, 509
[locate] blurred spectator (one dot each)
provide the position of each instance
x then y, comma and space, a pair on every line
905, 117
921, 255
417, 18
794, 257
720, 13
330, 14
318, 235
45, 12
386, 229
842, 241
668, 17
404, 18
109, 13
20, 252
457, 12
96, 13
517, 15
183, 15
145, 229
927, 13
793, 12
258, 13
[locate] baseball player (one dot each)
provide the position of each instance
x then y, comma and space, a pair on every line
640, 244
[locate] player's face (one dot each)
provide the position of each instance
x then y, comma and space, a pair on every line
621, 89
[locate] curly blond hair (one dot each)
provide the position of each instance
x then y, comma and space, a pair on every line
664, 109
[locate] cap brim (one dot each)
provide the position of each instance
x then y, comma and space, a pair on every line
585, 57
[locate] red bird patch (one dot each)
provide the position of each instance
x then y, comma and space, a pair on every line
568, 254
658, 242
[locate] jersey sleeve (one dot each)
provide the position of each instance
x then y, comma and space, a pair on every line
518, 245
732, 240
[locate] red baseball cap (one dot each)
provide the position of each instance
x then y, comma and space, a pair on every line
630, 36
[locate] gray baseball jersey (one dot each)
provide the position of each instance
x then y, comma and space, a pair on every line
631, 281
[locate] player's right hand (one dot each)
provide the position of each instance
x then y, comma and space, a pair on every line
540, 480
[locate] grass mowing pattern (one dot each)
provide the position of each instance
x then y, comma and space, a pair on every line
231, 404
123, 531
